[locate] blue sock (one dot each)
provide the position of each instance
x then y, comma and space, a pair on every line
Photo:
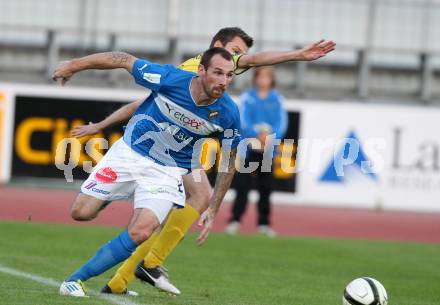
112, 253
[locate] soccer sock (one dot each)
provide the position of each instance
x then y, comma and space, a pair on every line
178, 223
108, 256
125, 273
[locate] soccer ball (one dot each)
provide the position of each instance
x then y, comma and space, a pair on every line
365, 291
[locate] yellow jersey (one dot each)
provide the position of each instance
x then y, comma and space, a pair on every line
192, 64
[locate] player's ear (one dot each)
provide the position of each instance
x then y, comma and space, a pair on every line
201, 70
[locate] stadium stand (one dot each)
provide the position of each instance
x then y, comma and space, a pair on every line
387, 49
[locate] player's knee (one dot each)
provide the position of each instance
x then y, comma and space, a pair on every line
81, 215
81, 211
140, 233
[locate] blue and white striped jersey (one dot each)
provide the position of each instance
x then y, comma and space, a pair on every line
169, 127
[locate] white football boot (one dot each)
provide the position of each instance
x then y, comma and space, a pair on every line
74, 289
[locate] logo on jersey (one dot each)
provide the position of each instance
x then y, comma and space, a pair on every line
106, 175
336, 172
185, 118
157, 190
143, 67
175, 131
92, 185
213, 114
153, 78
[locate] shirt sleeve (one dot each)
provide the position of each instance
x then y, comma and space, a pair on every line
192, 64
148, 74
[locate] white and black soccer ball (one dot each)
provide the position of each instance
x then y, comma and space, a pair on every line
365, 291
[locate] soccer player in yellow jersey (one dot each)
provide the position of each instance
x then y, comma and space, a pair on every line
153, 252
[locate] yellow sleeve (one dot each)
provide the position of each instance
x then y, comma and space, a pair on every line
192, 64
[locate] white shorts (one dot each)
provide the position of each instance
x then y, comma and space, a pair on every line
123, 173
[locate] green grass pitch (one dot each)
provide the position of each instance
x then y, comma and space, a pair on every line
238, 270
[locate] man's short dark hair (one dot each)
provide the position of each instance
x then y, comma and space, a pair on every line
209, 54
226, 35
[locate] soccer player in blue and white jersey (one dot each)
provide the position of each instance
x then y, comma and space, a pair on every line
159, 145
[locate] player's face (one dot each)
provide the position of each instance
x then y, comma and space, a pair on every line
235, 46
217, 77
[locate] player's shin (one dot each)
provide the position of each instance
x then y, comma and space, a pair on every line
112, 253
177, 225
125, 273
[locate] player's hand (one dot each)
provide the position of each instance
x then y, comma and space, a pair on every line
317, 50
207, 221
85, 130
64, 71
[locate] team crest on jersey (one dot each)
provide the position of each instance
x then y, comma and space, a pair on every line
213, 114
106, 175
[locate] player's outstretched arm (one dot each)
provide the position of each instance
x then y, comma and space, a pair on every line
101, 61
311, 52
121, 115
222, 184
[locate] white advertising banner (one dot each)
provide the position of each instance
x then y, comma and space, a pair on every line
370, 156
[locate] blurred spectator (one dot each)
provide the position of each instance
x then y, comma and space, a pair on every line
262, 114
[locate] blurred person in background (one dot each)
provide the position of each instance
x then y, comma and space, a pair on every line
262, 114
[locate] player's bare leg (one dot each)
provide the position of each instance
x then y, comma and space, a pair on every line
198, 189
142, 225
86, 207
